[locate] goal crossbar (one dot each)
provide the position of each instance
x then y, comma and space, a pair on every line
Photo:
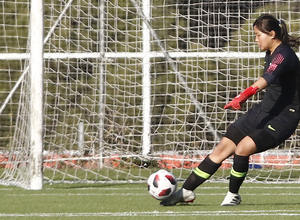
93, 55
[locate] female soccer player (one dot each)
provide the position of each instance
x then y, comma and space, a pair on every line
266, 124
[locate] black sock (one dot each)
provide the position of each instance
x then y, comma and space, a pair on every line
203, 172
238, 172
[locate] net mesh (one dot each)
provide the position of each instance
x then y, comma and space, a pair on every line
94, 90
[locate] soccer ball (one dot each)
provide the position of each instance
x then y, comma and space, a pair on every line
161, 184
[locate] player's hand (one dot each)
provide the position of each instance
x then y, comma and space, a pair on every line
241, 98
235, 104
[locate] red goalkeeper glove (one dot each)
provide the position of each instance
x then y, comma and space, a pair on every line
241, 98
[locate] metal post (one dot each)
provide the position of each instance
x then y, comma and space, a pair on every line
36, 93
146, 81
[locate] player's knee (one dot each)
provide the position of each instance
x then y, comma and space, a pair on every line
223, 150
246, 147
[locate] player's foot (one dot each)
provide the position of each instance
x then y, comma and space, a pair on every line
181, 195
231, 199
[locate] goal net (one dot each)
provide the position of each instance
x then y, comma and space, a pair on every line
133, 86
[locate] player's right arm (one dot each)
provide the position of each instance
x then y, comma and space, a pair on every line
260, 84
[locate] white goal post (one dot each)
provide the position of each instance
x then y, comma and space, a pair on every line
36, 64
110, 91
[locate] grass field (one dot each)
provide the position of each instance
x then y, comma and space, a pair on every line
132, 201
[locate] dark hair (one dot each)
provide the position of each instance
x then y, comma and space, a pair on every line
267, 23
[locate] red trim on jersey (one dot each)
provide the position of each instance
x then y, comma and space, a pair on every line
278, 59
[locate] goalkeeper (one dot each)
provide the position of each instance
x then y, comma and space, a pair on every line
266, 124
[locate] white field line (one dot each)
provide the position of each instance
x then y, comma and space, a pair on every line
271, 186
162, 214
144, 194
245, 186
142, 191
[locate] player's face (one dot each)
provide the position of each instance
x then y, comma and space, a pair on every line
263, 40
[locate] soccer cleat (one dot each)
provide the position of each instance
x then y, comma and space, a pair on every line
181, 195
231, 199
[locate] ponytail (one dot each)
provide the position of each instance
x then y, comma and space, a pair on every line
286, 38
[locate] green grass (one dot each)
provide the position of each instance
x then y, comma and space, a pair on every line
132, 201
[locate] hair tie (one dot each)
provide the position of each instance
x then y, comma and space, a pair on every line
279, 22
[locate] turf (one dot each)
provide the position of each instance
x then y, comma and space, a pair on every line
132, 201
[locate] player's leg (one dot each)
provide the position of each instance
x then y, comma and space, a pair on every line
237, 132
264, 138
239, 171
210, 164
203, 172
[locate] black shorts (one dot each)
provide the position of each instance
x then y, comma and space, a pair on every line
265, 129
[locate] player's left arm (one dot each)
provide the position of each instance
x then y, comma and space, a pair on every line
281, 63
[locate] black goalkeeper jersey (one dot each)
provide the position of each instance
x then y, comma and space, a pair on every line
282, 73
